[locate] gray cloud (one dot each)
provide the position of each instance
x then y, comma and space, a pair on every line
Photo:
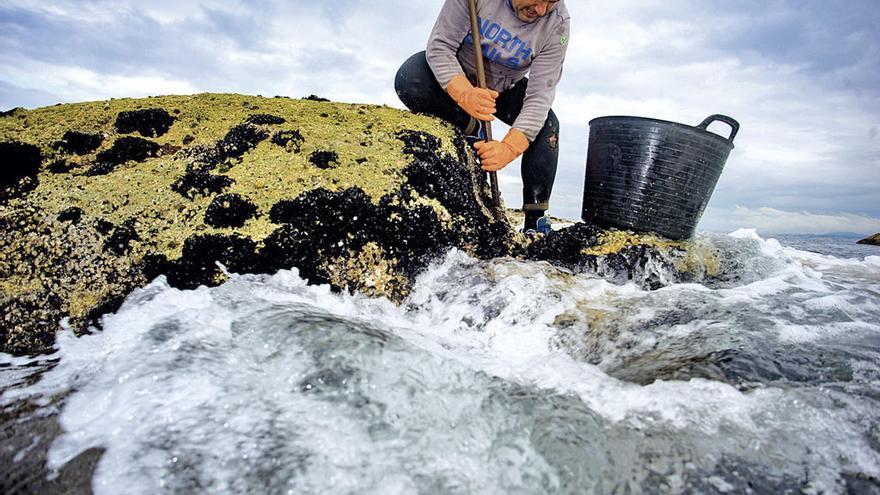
25, 97
802, 76
772, 221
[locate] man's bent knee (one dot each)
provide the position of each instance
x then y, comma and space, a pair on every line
412, 80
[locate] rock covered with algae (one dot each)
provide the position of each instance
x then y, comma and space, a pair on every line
99, 198
647, 260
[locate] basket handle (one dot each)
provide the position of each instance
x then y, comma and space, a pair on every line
734, 125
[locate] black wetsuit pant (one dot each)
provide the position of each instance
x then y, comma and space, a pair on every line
419, 90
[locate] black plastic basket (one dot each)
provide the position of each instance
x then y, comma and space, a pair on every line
652, 175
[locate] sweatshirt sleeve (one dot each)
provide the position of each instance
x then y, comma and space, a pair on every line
544, 75
452, 25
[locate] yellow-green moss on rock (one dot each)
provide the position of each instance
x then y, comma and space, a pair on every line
79, 235
363, 136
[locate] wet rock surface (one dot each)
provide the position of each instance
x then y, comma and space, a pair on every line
197, 264
323, 224
563, 247
873, 240
622, 257
208, 194
27, 426
443, 179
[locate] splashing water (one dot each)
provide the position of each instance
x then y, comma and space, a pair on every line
493, 377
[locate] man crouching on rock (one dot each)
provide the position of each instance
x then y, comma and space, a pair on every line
518, 37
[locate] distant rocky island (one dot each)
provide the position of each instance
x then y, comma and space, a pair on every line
873, 240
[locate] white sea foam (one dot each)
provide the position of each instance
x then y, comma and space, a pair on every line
492, 377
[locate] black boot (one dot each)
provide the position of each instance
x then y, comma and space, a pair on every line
531, 222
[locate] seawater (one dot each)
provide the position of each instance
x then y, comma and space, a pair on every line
494, 377
841, 246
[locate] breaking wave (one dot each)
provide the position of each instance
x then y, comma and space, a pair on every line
494, 377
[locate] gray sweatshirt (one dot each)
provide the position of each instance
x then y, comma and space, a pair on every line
511, 49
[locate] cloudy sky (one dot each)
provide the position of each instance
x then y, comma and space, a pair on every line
801, 76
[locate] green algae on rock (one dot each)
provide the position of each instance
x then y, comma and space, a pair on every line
98, 198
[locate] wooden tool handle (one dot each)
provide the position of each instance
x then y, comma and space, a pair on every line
481, 82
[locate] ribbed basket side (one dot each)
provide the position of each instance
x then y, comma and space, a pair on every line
650, 176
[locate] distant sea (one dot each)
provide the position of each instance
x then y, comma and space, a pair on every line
839, 245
